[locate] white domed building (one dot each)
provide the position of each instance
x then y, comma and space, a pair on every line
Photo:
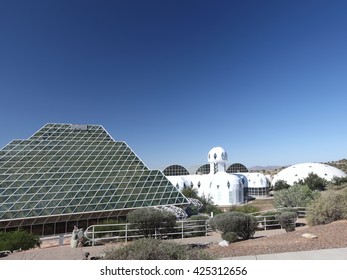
300, 171
226, 189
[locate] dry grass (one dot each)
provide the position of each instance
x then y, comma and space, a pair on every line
263, 204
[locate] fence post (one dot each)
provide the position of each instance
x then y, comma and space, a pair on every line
265, 222
182, 231
126, 233
93, 236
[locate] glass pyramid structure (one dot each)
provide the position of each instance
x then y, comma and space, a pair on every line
70, 172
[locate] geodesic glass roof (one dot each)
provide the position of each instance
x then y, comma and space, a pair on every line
68, 169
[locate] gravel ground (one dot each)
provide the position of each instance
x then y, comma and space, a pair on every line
333, 235
329, 236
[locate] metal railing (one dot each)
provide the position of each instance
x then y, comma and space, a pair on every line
267, 219
124, 232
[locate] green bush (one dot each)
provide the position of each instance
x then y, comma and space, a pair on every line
154, 249
231, 237
295, 196
18, 240
151, 220
242, 224
287, 220
330, 206
338, 183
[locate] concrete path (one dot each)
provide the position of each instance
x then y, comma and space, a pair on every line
324, 254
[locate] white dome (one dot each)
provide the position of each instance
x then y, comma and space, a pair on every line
223, 179
217, 154
296, 172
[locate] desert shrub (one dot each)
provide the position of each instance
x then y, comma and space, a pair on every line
330, 206
295, 196
231, 237
242, 224
338, 183
154, 249
245, 209
17, 240
287, 220
151, 220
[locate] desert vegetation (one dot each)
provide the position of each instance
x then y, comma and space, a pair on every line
18, 240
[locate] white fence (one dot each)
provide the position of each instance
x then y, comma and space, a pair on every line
123, 232
267, 219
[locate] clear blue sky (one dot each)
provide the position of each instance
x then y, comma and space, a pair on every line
266, 80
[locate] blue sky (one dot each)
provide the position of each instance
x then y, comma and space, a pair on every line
266, 80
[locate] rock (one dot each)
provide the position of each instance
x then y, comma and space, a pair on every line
309, 235
223, 243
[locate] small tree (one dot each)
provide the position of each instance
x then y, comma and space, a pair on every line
281, 185
208, 205
242, 224
151, 220
314, 182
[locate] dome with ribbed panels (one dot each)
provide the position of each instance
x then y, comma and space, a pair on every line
300, 171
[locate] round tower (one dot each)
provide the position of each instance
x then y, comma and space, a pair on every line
217, 158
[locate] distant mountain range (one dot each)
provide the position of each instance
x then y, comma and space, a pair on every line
273, 169
340, 164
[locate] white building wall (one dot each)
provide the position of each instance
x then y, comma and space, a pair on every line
225, 189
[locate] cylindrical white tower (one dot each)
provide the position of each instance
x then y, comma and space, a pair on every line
217, 158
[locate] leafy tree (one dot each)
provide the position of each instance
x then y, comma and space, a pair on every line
281, 185
151, 220
208, 205
314, 182
190, 192
295, 196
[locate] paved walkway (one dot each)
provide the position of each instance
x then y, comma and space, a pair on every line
324, 254
65, 252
